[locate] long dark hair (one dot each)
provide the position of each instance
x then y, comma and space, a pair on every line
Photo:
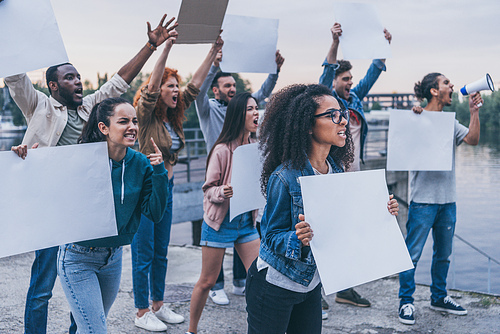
285, 132
101, 112
234, 122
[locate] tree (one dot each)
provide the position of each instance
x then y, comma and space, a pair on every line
376, 106
488, 114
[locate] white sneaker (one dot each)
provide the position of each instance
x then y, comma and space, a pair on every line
219, 297
239, 291
167, 315
150, 322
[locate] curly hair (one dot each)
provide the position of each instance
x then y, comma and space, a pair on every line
423, 88
174, 116
285, 132
344, 66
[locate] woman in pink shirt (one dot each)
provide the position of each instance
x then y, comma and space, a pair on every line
218, 233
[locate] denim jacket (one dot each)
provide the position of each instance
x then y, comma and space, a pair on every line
280, 246
357, 94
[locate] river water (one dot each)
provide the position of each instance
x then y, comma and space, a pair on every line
478, 218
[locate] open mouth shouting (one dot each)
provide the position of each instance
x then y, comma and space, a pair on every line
79, 93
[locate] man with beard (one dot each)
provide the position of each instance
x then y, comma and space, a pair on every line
58, 120
338, 74
432, 206
211, 113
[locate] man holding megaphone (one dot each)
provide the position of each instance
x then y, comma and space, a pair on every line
432, 206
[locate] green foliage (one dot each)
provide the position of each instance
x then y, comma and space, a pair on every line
376, 106
488, 114
135, 85
101, 80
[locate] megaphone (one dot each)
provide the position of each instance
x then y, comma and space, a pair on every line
484, 83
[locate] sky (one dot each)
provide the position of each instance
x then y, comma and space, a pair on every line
458, 38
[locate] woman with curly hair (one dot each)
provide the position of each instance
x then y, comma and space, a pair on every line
305, 132
160, 110
218, 233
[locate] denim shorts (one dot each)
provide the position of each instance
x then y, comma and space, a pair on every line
239, 231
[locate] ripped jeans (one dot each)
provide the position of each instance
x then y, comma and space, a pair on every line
441, 218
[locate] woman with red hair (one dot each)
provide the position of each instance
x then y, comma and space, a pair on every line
160, 111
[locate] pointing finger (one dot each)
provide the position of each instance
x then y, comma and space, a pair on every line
157, 150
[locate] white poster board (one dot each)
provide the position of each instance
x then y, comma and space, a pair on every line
249, 44
29, 37
362, 31
420, 142
245, 179
57, 195
353, 229
200, 21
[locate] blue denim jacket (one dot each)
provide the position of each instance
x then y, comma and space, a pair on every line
357, 94
280, 246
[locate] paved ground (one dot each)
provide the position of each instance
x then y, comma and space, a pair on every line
184, 267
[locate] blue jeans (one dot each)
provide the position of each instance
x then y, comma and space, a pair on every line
149, 256
90, 278
274, 310
43, 277
441, 218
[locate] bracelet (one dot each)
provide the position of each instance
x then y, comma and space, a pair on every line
151, 46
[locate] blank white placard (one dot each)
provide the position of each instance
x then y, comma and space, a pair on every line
356, 240
420, 142
245, 179
57, 195
249, 44
29, 37
362, 31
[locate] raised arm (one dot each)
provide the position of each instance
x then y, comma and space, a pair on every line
24, 94
159, 69
331, 56
267, 87
330, 65
155, 38
202, 101
378, 65
201, 73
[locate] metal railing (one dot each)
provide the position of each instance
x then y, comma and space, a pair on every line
490, 260
194, 149
453, 271
376, 142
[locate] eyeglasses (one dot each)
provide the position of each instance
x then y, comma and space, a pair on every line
336, 115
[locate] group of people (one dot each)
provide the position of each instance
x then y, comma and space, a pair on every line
309, 129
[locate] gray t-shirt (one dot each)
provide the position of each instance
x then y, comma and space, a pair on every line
73, 129
437, 187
